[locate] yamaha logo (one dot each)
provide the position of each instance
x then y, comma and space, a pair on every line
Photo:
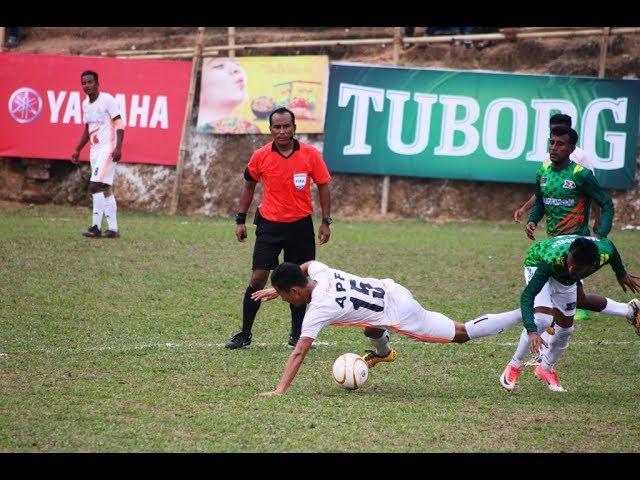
25, 105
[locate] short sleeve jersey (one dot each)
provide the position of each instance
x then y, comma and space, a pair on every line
341, 298
287, 180
99, 117
566, 203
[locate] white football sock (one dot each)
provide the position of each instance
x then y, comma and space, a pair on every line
381, 345
110, 210
616, 309
557, 346
492, 323
543, 320
98, 209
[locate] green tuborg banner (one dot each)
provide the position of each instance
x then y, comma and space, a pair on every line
474, 125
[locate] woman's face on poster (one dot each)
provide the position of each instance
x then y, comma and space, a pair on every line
224, 83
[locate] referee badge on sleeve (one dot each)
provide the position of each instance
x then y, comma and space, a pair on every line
299, 180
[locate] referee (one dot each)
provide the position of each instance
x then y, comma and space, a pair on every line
286, 168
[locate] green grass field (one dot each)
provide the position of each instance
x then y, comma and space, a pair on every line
116, 346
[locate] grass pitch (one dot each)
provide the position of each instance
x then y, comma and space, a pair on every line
116, 346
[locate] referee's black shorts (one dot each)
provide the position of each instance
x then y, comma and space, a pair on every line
295, 238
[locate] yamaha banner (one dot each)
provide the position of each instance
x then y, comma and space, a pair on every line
41, 97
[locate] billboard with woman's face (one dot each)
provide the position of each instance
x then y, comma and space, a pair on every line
237, 95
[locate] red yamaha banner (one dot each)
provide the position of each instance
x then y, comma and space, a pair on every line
41, 96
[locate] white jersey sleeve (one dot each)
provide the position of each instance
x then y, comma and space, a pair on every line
111, 106
582, 158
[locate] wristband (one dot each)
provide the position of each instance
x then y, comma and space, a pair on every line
241, 218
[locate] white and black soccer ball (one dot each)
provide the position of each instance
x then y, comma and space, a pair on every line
350, 371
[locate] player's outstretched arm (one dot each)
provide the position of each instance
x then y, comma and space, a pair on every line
293, 365
264, 294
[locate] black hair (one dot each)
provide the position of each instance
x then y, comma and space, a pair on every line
282, 110
90, 72
563, 130
585, 251
287, 275
560, 119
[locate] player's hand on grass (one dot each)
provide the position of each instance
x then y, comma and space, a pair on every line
264, 294
529, 228
631, 281
74, 156
116, 154
270, 394
535, 343
241, 232
518, 214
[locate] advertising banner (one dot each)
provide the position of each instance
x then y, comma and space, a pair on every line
237, 95
42, 101
472, 125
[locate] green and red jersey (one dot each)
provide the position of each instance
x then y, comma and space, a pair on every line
565, 196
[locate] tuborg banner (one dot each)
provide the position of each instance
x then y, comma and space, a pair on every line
42, 101
474, 125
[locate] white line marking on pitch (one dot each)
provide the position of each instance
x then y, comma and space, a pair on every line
142, 346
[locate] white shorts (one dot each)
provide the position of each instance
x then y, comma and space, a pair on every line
416, 322
554, 294
103, 168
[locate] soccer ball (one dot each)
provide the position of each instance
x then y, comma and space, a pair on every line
350, 371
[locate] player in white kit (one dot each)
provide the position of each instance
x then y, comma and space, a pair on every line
335, 297
104, 128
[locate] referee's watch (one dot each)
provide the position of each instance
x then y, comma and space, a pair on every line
327, 220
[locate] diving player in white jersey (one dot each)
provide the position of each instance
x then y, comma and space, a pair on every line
104, 128
340, 298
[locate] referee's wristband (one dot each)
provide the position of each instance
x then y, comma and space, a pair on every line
241, 218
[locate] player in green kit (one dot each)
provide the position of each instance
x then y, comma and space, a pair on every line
553, 270
564, 192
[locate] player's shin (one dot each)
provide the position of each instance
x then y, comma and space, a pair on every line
543, 320
381, 344
616, 309
557, 346
110, 211
492, 323
98, 209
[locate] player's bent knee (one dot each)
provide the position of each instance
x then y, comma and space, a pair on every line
461, 335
